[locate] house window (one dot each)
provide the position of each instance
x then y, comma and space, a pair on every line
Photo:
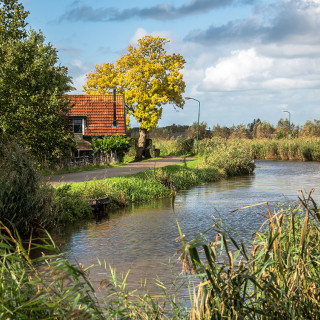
77, 125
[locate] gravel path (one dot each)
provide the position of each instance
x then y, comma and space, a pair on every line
120, 171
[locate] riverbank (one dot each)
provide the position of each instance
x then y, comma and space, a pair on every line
71, 199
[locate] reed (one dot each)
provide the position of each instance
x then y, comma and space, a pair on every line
278, 279
49, 287
299, 149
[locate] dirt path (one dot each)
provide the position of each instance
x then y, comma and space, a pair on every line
115, 171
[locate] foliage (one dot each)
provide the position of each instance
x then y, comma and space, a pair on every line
300, 149
279, 279
239, 132
311, 128
262, 130
31, 85
149, 77
49, 287
220, 132
175, 147
107, 144
24, 200
192, 131
231, 157
70, 207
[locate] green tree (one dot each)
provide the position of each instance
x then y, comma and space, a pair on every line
263, 130
31, 86
282, 129
251, 125
222, 132
192, 131
149, 77
311, 128
240, 132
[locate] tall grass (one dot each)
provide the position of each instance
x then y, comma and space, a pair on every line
300, 149
278, 279
49, 287
175, 147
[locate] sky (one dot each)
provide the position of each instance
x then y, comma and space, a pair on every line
245, 59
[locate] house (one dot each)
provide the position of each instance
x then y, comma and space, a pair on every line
96, 116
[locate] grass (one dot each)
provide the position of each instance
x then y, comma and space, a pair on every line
49, 287
278, 279
219, 163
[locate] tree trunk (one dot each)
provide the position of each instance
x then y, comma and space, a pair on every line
141, 143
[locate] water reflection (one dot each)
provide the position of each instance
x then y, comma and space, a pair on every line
142, 238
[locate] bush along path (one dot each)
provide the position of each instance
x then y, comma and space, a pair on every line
71, 204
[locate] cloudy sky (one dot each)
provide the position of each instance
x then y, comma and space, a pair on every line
245, 59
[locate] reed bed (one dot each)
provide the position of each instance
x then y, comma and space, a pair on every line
278, 279
47, 286
299, 149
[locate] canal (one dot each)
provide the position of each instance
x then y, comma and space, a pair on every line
143, 238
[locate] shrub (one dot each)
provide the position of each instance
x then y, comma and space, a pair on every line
24, 200
111, 144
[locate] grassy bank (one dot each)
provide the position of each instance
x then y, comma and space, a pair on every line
154, 184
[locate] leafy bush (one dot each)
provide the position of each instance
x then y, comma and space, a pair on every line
111, 144
24, 200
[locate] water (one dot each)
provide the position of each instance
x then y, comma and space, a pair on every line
143, 238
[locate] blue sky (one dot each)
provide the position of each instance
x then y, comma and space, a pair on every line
245, 59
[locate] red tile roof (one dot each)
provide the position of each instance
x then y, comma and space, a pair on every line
98, 110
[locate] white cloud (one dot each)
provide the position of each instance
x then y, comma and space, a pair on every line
239, 71
79, 64
248, 70
78, 83
140, 32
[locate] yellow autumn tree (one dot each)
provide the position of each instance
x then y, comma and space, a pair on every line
150, 79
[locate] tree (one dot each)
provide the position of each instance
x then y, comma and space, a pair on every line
311, 128
239, 132
251, 125
263, 130
149, 77
282, 129
31, 86
192, 131
222, 132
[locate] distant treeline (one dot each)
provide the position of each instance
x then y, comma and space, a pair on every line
257, 129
